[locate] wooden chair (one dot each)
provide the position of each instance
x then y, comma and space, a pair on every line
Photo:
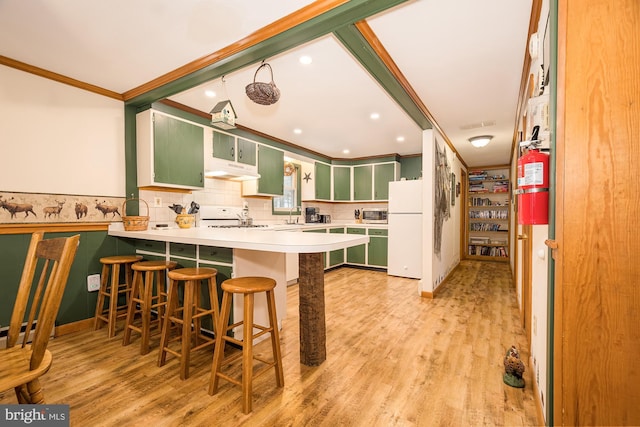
23, 365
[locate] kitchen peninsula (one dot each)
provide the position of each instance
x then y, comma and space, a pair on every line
260, 252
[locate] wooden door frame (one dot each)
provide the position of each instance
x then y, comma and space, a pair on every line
464, 203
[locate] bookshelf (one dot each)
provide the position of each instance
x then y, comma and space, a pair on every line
488, 214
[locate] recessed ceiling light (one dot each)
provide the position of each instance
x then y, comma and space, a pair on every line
345, 151
400, 139
374, 116
306, 60
297, 131
210, 93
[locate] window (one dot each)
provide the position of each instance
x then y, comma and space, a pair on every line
289, 202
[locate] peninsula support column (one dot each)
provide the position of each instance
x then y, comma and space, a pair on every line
313, 349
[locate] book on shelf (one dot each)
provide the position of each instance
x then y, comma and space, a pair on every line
499, 251
479, 240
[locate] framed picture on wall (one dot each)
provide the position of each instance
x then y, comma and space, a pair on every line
453, 189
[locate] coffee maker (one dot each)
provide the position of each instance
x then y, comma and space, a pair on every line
311, 215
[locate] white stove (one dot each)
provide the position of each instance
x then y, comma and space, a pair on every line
223, 217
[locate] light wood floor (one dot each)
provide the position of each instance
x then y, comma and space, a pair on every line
393, 359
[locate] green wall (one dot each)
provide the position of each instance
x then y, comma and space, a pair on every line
77, 302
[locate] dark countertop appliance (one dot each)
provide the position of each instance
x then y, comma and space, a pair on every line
325, 219
311, 215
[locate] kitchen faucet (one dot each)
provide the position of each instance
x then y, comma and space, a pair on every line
290, 210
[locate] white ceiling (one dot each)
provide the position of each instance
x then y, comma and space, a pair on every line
463, 58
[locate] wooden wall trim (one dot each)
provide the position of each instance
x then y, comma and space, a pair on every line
558, 396
68, 328
536, 396
432, 295
298, 17
385, 57
58, 78
53, 228
536, 8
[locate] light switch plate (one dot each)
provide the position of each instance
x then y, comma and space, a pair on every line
93, 282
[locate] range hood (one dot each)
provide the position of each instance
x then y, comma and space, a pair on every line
227, 169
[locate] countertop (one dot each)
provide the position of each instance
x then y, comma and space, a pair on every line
259, 239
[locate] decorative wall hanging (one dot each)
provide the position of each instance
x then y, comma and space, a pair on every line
441, 208
223, 115
30, 208
263, 93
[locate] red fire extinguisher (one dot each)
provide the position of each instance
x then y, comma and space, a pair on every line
533, 187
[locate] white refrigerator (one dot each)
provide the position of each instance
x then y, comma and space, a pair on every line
405, 229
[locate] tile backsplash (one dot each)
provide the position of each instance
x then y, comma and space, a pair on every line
229, 193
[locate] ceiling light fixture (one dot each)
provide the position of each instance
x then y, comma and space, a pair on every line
480, 141
210, 93
306, 60
375, 116
400, 139
346, 151
297, 131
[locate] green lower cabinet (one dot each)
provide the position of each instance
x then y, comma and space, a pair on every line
320, 230
336, 257
356, 254
224, 273
378, 247
183, 250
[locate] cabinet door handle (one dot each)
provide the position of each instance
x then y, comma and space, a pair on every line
232, 151
240, 153
522, 237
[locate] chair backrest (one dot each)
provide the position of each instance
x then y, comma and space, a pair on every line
53, 257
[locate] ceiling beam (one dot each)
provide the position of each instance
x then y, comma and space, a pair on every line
360, 47
365, 46
309, 23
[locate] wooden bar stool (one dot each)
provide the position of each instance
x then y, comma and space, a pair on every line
112, 289
146, 297
191, 311
246, 286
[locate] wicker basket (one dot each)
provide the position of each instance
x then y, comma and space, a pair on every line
263, 93
134, 223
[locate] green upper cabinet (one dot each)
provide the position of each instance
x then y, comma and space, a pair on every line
224, 146
342, 183
362, 182
246, 152
170, 151
382, 175
271, 170
323, 181
178, 151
